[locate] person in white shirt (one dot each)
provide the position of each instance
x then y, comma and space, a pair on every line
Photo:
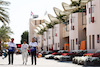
33, 46
11, 49
24, 49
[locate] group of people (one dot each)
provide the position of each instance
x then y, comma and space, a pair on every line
24, 49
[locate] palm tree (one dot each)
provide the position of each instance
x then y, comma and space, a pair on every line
42, 31
78, 4
4, 15
5, 31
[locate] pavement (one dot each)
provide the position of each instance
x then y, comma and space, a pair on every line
41, 62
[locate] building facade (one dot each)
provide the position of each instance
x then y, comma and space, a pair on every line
58, 37
40, 42
33, 23
93, 25
45, 41
50, 39
77, 33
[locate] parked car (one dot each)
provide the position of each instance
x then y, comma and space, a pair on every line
69, 56
51, 56
43, 53
96, 54
92, 61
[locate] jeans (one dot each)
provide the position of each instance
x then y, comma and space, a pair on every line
10, 57
33, 54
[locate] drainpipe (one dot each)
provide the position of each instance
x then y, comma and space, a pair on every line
82, 17
91, 10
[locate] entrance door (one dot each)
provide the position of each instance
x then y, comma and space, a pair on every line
93, 41
73, 44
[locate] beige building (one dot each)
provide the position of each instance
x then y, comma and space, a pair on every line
77, 30
93, 25
33, 23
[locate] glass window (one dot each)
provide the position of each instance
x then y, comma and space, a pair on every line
40, 21
72, 20
93, 41
98, 39
90, 41
89, 20
76, 40
35, 22
73, 44
92, 9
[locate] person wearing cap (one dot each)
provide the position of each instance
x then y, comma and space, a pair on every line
24, 49
33, 46
11, 49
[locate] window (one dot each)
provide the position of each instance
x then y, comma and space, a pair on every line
92, 9
76, 40
58, 45
89, 20
35, 22
98, 39
73, 20
73, 44
89, 10
92, 19
90, 41
73, 28
93, 41
40, 21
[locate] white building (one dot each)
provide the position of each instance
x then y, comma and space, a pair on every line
40, 42
50, 39
77, 31
93, 25
45, 41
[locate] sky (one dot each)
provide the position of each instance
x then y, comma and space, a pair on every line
20, 11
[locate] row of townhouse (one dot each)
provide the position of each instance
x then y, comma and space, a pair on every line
82, 32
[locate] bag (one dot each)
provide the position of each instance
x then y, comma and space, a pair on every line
33, 49
11, 49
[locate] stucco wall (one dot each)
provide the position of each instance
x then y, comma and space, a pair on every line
78, 32
93, 28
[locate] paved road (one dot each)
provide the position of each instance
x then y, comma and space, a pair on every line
41, 62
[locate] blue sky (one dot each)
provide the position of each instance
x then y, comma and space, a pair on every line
20, 13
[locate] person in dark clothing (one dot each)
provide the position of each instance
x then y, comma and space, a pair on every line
33, 46
11, 49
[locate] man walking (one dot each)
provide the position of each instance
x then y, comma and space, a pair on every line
11, 49
24, 49
33, 46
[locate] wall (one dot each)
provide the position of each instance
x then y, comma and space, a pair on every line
45, 40
93, 28
78, 33
50, 38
